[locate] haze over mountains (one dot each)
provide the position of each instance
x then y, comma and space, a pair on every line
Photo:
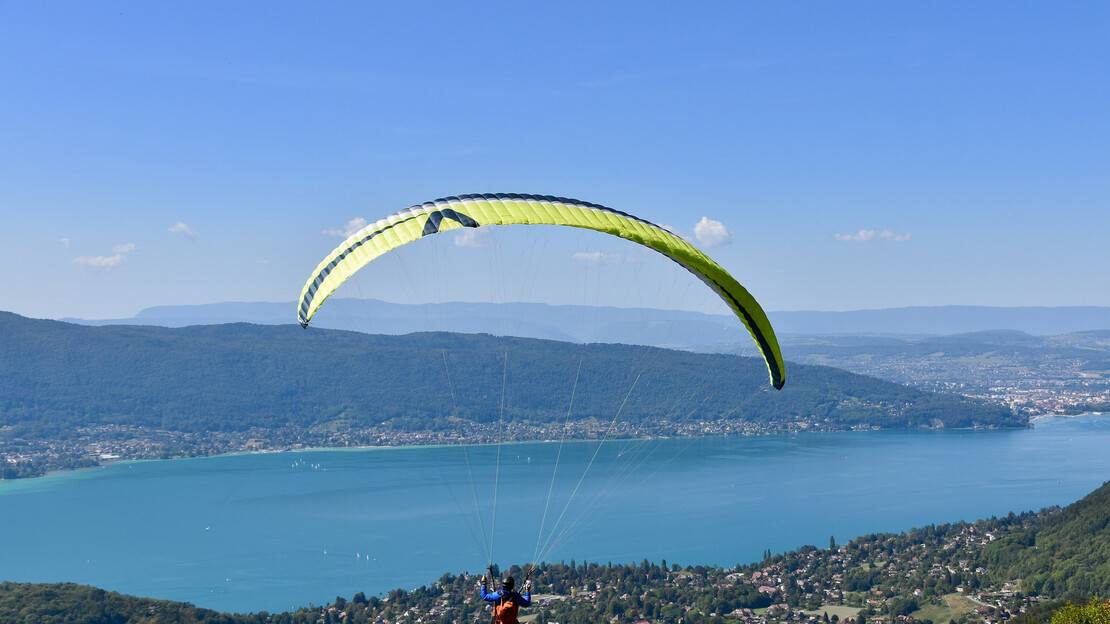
668, 328
1070, 368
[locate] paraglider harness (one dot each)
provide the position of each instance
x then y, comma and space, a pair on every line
506, 595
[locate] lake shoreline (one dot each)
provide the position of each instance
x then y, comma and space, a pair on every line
480, 443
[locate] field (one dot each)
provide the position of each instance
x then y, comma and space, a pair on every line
841, 611
954, 606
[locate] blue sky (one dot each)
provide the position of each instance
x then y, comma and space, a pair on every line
859, 155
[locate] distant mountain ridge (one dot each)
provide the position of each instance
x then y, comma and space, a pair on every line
55, 376
667, 328
1092, 344
1064, 373
945, 320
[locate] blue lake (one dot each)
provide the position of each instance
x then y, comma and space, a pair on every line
278, 531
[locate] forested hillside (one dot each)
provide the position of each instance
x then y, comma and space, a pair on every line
1067, 554
66, 603
54, 376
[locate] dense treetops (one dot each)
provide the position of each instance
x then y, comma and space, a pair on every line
54, 376
66, 603
1067, 555
1094, 612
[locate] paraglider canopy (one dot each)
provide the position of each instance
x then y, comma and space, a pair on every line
472, 211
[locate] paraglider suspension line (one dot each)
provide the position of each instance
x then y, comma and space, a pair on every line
497, 468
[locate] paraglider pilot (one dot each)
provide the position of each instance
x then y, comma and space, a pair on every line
506, 601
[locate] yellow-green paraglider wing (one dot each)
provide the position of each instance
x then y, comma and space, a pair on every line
451, 213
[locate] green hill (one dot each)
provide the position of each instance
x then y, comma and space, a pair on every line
66, 603
1067, 554
55, 376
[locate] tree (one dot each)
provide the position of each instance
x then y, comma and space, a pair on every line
1094, 612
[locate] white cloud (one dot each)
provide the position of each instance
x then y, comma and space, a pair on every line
862, 235
349, 228
120, 251
472, 237
99, 262
588, 256
184, 230
711, 233
870, 235
65, 242
598, 257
